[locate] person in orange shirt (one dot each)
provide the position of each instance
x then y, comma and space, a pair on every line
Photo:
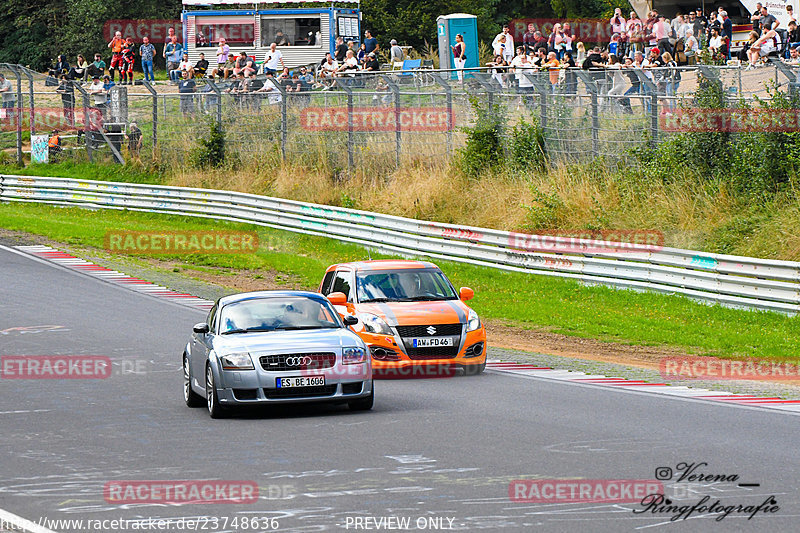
554, 65
116, 45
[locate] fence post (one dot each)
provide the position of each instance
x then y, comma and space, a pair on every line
591, 86
350, 134
449, 100
87, 131
543, 87
284, 116
398, 136
18, 112
652, 89
153, 92
32, 124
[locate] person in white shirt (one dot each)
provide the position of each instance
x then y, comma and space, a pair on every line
521, 65
618, 22
273, 59
499, 45
508, 52
184, 65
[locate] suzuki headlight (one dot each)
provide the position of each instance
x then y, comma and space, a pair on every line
353, 355
473, 322
236, 361
374, 324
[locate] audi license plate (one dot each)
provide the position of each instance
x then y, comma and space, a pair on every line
433, 342
303, 381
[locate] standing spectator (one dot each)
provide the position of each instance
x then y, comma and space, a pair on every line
618, 22
186, 88
108, 83
98, 93
223, 50
395, 52
672, 77
520, 66
134, 139
97, 68
128, 58
529, 38
679, 26
498, 72
79, 71
273, 58
67, 92
539, 42
340, 50
727, 32
200, 68
618, 84
790, 12
767, 21
370, 42
459, 56
170, 35
699, 25
9, 96
628, 66
173, 52
499, 45
147, 52
662, 32
116, 53
508, 53
755, 18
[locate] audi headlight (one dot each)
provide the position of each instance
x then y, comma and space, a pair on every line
236, 361
473, 322
353, 355
374, 324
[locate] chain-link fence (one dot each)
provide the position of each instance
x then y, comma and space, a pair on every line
365, 120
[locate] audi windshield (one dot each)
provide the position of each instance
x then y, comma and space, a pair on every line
409, 285
277, 314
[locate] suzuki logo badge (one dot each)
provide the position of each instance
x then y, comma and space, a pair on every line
431, 330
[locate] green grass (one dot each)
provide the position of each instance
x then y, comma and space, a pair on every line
557, 305
84, 170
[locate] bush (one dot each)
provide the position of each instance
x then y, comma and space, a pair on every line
484, 148
527, 149
211, 152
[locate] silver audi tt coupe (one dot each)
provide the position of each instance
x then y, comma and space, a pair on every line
275, 347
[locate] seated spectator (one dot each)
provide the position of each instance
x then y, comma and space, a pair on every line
743, 53
540, 58
80, 70
200, 68
306, 76
361, 55
97, 68
349, 66
716, 45
765, 45
328, 69
227, 68
274, 95
284, 75
691, 47
371, 64
794, 57
60, 67
794, 33
500, 68
281, 39
241, 65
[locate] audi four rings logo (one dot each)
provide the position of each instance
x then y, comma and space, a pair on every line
431, 330
298, 361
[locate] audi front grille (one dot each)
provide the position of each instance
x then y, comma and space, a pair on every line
297, 361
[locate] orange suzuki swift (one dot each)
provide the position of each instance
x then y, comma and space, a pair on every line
409, 314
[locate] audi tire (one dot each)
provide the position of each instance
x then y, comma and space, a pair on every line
212, 399
191, 398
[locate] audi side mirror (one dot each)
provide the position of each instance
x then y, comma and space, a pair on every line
350, 320
338, 298
201, 328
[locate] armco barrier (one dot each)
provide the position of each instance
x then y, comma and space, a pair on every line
728, 280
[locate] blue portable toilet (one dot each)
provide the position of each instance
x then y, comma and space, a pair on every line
447, 27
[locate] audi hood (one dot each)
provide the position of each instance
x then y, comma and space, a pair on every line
287, 341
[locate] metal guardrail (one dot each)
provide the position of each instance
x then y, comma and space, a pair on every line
734, 281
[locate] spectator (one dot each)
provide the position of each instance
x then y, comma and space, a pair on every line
98, 93
9, 96
540, 58
613, 45
134, 139
581, 53
672, 79
662, 32
60, 67
284, 75
184, 65
116, 45
370, 42
273, 59
274, 95
498, 70
54, 147
200, 68
794, 57
80, 70
540, 41
349, 66
147, 52
618, 22
173, 52
794, 34
570, 78
223, 51
767, 21
552, 65
340, 50
241, 64
699, 25
395, 52
186, 88
328, 69
593, 60
743, 53
766, 44
508, 52
128, 58
499, 45
67, 92
361, 55
790, 12
678, 26
522, 68
97, 68
281, 39
306, 77
371, 64
716, 44
108, 83
618, 84
459, 56
529, 38
628, 69
170, 35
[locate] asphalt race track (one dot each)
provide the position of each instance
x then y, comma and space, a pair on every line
438, 452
